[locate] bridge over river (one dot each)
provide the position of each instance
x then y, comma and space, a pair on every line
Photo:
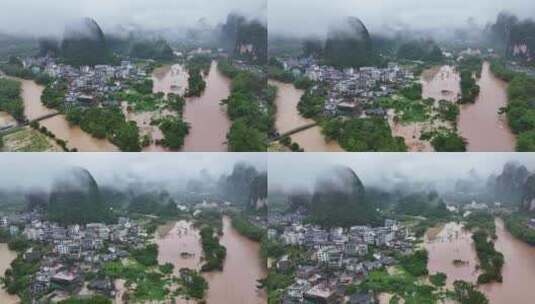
13, 128
294, 131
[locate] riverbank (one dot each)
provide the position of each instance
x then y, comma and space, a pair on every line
288, 118
6, 257
75, 138
180, 244
206, 137
480, 123
518, 272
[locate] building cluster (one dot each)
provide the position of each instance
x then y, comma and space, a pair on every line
336, 258
87, 86
67, 254
352, 91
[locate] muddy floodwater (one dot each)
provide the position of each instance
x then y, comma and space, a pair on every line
6, 120
479, 123
6, 257
205, 114
73, 135
441, 83
288, 118
518, 271
451, 243
179, 244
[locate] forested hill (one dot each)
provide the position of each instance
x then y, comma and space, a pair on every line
84, 43
75, 199
246, 39
339, 199
349, 44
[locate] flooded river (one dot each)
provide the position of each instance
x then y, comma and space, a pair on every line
6, 256
452, 243
76, 138
288, 118
518, 271
179, 243
479, 123
207, 117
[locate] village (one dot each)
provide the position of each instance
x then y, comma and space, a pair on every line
67, 255
87, 86
335, 258
352, 91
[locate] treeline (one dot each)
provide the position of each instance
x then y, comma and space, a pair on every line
109, 123
250, 106
470, 67
520, 109
275, 70
16, 278
424, 50
146, 256
15, 68
491, 260
416, 263
174, 130
363, 134
429, 205
214, 253
196, 83
154, 204
245, 228
444, 140
312, 102
146, 49
62, 143
10, 99
197, 66
517, 224
54, 94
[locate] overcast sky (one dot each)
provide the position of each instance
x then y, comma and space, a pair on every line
288, 170
38, 169
311, 17
50, 16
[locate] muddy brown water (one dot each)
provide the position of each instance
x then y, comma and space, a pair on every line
205, 114
479, 123
288, 118
179, 244
6, 257
518, 271
75, 137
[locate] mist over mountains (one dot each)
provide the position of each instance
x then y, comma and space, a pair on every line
411, 185
349, 44
165, 17
75, 197
84, 42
